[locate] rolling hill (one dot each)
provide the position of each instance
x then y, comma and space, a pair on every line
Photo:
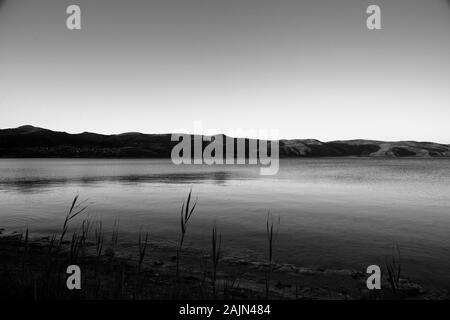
33, 142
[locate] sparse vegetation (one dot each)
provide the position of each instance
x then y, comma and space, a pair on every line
35, 269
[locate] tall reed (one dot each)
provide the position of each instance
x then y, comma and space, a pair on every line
394, 269
216, 245
142, 249
186, 213
75, 244
99, 239
75, 210
85, 229
115, 234
51, 244
270, 241
25, 251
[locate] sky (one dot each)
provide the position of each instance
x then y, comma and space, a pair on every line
308, 69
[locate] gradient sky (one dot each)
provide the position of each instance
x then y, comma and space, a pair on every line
309, 69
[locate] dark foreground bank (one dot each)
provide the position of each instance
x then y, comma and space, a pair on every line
35, 269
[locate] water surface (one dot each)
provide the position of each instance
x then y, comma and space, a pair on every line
336, 213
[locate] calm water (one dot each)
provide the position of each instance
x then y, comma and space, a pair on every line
338, 213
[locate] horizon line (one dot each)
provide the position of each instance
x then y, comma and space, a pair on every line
235, 137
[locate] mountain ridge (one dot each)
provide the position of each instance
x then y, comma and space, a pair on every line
34, 142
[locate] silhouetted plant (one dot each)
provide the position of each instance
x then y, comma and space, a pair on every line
270, 240
142, 248
74, 248
115, 235
85, 229
99, 239
75, 210
216, 244
25, 250
394, 269
186, 213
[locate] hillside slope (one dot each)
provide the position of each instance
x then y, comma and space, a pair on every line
29, 141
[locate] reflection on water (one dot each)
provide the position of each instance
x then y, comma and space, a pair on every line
339, 213
29, 185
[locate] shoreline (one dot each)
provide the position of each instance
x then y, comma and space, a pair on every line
35, 269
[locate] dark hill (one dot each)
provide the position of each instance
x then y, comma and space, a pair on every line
29, 141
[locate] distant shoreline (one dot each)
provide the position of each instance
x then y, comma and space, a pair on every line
33, 142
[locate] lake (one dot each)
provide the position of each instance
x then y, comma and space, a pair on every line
334, 213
